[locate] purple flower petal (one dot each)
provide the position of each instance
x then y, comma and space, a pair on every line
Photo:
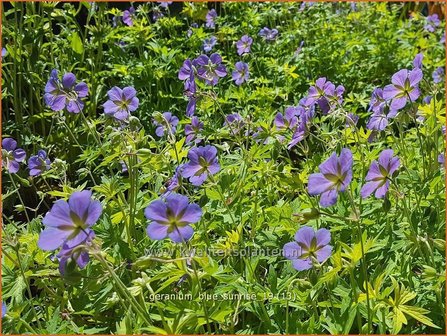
58, 216
415, 76
292, 251
13, 167
190, 169
329, 198
115, 94
79, 203
75, 106
19, 155
374, 172
192, 214
157, 211
81, 89
382, 190
398, 103
9, 144
318, 184
345, 161
129, 93
177, 204
390, 91
68, 80
385, 157
304, 237
414, 94
302, 264
82, 259
324, 253
181, 234
368, 188
133, 104
330, 166
198, 180
157, 231
323, 237
51, 238
56, 103
93, 213
110, 108
399, 78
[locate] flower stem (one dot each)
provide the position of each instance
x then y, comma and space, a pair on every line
122, 288
84, 119
26, 324
77, 143
19, 260
205, 309
363, 260
20, 197
133, 174
222, 197
354, 288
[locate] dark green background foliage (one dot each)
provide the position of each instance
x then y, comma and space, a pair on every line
258, 200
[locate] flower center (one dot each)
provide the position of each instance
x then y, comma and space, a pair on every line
71, 95
77, 221
123, 104
174, 221
337, 180
309, 251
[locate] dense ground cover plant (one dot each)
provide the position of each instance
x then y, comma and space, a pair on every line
232, 168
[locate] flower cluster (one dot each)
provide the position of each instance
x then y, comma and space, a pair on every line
268, 34
432, 22
39, 163
128, 16
210, 17
325, 94
171, 217
234, 122
208, 69
166, 123
68, 225
295, 121
121, 102
386, 103
335, 176
11, 155
244, 45
202, 163
310, 248
66, 93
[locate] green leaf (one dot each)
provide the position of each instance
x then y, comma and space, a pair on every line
398, 319
76, 43
18, 289
418, 314
213, 195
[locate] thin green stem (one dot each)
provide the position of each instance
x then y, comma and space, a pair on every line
22, 272
363, 261
122, 288
205, 308
20, 197
79, 145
